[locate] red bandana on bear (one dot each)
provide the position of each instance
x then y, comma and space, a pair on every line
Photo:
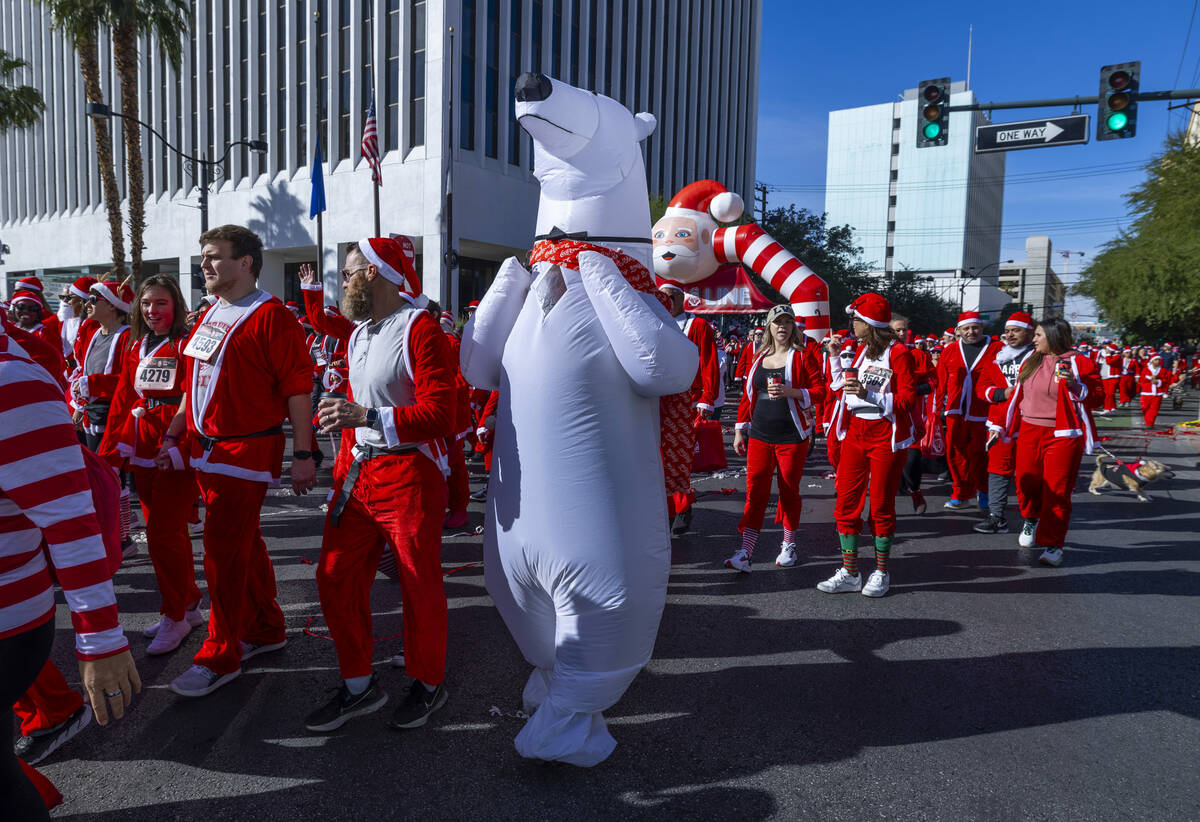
675, 411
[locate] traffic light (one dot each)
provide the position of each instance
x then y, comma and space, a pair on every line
1118, 101
933, 120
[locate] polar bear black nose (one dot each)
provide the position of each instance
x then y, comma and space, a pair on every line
533, 86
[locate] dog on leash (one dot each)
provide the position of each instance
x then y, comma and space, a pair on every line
1110, 473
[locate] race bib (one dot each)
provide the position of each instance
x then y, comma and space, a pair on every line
156, 374
205, 342
875, 378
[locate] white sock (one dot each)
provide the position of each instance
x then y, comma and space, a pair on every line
357, 684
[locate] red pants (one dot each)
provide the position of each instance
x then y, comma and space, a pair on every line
1150, 408
762, 460
833, 446
966, 442
458, 482
241, 580
1001, 458
1111, 387
1047, 467
397, 500
48, 702
867, 460
1128, 387
168, 499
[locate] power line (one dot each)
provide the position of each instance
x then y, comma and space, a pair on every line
1187, 38
1021, 178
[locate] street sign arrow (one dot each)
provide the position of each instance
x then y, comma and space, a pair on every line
1048, 131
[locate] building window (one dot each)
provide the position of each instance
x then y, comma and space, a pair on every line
416, 74
226, 83
609, 14
244, 70
323, 83
556, 40
210, 73
366, 85
593, 57
344, 79
392, 126
576, 10
535, 35
278, 148
466, 117
491, 119
260, 129
636, 54
301, 84
895, 124
514, 69
178, 126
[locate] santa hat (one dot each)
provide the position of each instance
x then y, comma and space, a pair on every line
949, 332
25, 296
471, 306
668, 286
968, 317
80, 287
119, 296
29, 284
871, 308
1019, 319
760, 329
1155, 356
447, 316
706, 198
293, 306
395, 257
1126, 350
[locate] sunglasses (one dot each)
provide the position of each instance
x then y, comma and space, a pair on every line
347, 273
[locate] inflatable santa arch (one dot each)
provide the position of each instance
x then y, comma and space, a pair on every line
689, 246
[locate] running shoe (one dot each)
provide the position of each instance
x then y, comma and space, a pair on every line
418, 705
1028, 532
169, 636
740, 561
200, 681
956, 504
345, 706
250, 651
842, 582
1052, 557
191, 616
992, 525
36, 747
877, 584
787, 555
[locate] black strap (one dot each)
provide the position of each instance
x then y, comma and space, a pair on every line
208, 442
155, 402
368, 452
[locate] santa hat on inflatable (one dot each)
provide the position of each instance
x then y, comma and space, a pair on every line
1020, 319
80, 287
968, 317
23, 296
871, 308
396, 259
447, 321
119, 296
706, 201
29, 284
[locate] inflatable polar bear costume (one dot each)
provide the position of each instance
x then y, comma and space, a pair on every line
576, 543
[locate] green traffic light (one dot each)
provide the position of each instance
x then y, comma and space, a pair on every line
932, 131
1117, 121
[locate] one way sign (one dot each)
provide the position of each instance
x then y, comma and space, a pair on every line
1049, 131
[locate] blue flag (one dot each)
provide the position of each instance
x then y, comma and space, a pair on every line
317, 204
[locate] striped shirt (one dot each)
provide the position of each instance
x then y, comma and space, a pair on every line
46, 511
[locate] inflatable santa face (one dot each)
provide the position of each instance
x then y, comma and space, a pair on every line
576, 547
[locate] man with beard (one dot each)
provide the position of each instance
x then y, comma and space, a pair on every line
998, 376
388, 484
247, 369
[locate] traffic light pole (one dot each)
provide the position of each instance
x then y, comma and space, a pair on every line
1177, 94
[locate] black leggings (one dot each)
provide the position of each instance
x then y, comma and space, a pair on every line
21, 658
910, 477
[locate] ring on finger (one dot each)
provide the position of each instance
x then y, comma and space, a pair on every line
117, 692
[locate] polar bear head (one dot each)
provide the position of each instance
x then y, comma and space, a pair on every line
587, 157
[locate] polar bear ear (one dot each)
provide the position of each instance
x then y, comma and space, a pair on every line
644, 124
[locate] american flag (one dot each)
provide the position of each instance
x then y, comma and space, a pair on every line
370, 144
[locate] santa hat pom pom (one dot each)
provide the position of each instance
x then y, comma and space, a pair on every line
726, 207
139, 412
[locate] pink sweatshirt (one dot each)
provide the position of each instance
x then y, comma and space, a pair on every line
1039, 395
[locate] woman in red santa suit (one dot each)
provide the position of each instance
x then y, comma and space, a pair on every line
1153, 382
147, 398
776, 415
873, 421
98, 353
1051, 408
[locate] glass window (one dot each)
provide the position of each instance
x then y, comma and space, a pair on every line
608, 50
416, 74
366, 85
323, 82
491, 119
226, 84
302, 30
514, 69
344, 81
392, 120
593, 56
576, 10
556, 40
535, 36
466, 117
260, 128
278, 152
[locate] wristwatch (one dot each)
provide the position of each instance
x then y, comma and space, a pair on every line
301, 455
372, 416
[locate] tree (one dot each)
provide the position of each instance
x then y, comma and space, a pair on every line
79, 21
131, 20
20, 106
1147, 279
912, 295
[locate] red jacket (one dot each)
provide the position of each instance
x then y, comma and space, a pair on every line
745, 359
464, 419
260, 363
900, 397
706, 386
314, 308
801, 371
956, 382
1146, 378
994, 379
1073, 415
135, 432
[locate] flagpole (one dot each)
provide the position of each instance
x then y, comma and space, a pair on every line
320, 249
376, 187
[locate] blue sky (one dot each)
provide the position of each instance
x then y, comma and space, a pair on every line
817, 57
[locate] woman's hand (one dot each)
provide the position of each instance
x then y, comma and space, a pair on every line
307, 275
739, 443
853, 386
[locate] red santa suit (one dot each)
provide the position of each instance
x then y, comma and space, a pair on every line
93, 390
966, 413
1109, 360
1129, 375
998, 375
459, 479
1153, 382
244, 360
389, 485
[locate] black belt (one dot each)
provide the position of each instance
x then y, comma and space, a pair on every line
155, 402
208, 442
368, 452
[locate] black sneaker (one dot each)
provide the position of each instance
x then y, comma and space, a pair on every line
682, 523
992, 525
418, 705
345, 706
40, 746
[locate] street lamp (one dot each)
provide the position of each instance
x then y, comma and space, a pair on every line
203, 164
962, 287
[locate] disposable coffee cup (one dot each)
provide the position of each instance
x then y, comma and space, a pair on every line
333, 395
774, 380
850, 373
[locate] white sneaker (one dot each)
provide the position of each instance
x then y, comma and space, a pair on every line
877, 584
841, 582
740, 561
200, 681
191, 616
787, 555
1028, 531
249, 651
1052, 557
169, 636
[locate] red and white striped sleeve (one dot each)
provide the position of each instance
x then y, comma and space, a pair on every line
45, 495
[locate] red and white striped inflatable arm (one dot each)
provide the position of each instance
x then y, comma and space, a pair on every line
800, 285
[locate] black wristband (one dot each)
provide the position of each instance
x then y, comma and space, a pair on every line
301, 455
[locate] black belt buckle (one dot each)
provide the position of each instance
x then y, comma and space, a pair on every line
206, 443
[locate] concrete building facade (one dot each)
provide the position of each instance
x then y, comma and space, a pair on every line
1032, 282
456, 164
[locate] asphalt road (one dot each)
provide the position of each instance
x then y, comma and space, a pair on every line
980, 687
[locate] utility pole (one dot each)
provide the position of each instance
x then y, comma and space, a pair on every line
761, 189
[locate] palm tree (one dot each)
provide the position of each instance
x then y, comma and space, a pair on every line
79, 20
166, 20
20, 106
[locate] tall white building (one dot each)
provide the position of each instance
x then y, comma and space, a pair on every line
936, 210
288, 71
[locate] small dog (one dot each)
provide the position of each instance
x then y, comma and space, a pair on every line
1135, 476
